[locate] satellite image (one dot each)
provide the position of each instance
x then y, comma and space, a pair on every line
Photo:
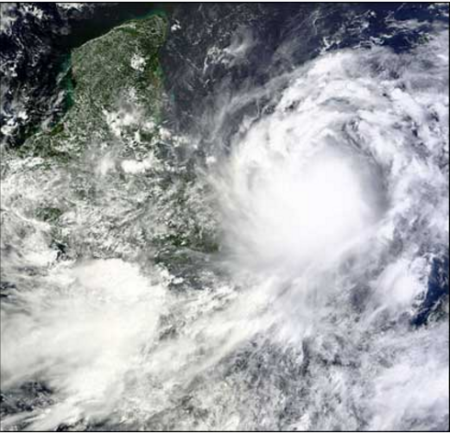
224, 216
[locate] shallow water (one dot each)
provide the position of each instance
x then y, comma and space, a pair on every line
326, 185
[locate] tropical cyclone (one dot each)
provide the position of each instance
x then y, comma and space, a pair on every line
280, 264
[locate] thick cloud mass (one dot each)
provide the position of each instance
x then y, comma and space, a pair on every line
331, 208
